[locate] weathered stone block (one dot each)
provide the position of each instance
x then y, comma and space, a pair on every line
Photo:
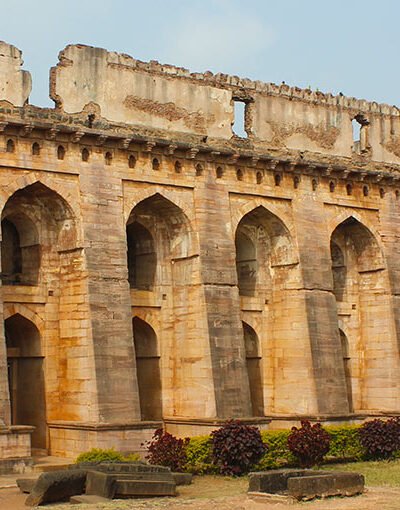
143, 488
57, 486
323, 485
100, 484
273, 481
26, 484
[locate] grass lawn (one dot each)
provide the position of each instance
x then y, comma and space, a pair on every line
378, 473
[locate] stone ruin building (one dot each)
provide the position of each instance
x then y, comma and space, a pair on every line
159, 268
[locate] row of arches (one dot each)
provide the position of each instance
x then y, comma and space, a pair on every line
38, 225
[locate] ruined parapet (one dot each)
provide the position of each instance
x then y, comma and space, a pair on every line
155, 96
15, 83
116, 86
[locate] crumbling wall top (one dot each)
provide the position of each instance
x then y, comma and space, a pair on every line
15, 83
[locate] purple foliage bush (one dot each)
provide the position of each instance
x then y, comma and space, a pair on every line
164, 449
380, 438
309, 443
236, 448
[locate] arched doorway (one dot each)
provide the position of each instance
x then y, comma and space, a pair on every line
360, 286
162, 268
148, 370
254, 370
26, 377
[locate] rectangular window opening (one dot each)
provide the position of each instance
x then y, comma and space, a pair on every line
239, 114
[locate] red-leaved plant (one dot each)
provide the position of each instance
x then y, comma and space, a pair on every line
236, 447
380, 438
164, 449
309, 443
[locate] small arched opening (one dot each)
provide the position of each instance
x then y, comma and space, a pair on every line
26, 377
142, 257
148, 370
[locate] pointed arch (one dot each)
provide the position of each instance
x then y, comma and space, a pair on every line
366, 246
238, 212
72, 199
34, 216
165, 223
11, 309
262, 243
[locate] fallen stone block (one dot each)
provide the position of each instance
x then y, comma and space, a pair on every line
274, 481
100, 484
324, 485
25, 485
57, 486
143, 488
182, 478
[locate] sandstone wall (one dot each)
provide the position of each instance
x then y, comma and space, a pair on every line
132, 142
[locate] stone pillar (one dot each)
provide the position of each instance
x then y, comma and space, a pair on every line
218, 273
389, 220
109, 295
315, 260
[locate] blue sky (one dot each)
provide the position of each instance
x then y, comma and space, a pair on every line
349, 46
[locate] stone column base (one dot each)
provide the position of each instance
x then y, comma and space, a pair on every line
69, 439
15, 449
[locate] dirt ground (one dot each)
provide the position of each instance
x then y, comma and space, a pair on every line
210, 493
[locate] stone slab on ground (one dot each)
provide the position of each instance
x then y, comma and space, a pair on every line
88, 499
26, 484
144, 488
335, 484
306, 483
57, 486
274, 481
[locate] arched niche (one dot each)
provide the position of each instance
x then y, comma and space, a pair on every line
35, 220
263, 243
26, 377
358, 245
354, 252
254, 369
142, 257
148, 370
158, 232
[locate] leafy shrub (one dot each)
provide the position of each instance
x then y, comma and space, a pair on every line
236, 447
309, 443
167, 450
345, 443
199, 456
99, 455
277, 455
132, 457
381, 438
